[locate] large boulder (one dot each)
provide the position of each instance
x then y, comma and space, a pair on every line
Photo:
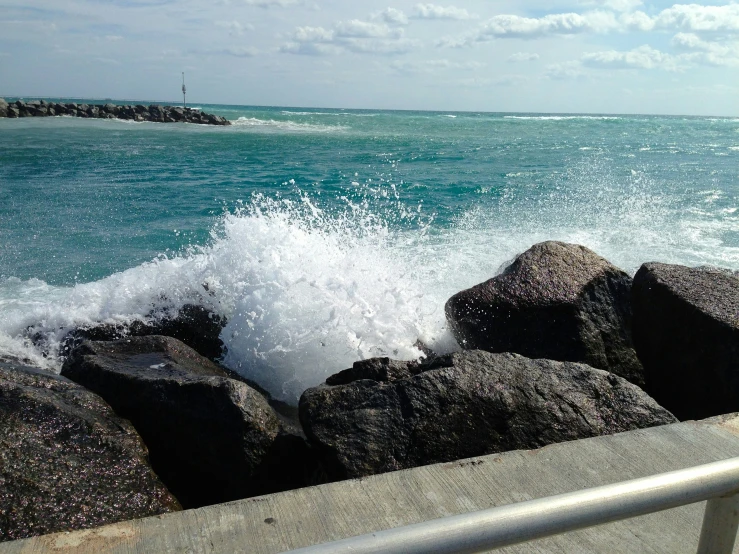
3, 108
211, 438
193, 324
557, 301
686, 331
384, 415
66, 460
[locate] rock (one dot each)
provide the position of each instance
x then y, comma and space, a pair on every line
3, 108
461, 405
194, 325
66, 460
557, 301
211, 439
686, 332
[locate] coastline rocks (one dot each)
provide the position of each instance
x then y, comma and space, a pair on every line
139, 112
686, 331
66, 460
557, 301
3, 108
211, 439
195, 325
384, 415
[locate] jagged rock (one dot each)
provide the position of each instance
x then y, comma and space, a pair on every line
557, 301
3, 108
686, 332
139, 112
194, 325
211, 439
66, 460
383, 416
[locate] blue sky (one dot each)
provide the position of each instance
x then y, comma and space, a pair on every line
607, 56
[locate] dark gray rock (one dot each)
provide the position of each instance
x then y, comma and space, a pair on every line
465, 404
686, 332
13, 111
211, 439
557, 301
3, 108
194, 325
66, 460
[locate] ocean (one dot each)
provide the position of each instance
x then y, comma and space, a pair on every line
325, 236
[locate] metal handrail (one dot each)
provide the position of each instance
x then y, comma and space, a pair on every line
534, 519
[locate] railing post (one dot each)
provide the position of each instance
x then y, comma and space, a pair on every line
720, 524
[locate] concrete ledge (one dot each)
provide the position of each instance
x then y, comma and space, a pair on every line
293, 519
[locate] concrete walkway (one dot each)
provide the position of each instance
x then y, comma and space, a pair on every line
280, 522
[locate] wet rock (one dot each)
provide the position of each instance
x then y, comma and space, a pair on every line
66, 460
194, 325
384, 415
3, 108
557, 301
211, 439
686, 331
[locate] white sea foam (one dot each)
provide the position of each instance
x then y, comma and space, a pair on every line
291, 126
561, 117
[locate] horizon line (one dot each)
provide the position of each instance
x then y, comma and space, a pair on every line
617, 114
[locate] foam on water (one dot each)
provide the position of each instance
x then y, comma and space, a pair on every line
289, 126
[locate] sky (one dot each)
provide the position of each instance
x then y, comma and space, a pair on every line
574, 56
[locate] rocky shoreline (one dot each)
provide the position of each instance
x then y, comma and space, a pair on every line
560, 346
139, 112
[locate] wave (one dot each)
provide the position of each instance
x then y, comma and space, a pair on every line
309, 288
562, 117
288, 112
290, 126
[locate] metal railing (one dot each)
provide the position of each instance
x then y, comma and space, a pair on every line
535, 519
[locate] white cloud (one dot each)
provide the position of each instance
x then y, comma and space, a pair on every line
565, 71
308, 49
612, 16
697, 18
707, 52
432, 11
313, 34
616, 5
523, 57
364, 29
364, 37
270, 3
515, 26
433, 66
392, 16
234, 27
643, 57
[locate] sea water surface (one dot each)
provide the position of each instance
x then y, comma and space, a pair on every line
325, 236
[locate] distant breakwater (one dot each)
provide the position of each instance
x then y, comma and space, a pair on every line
138, 112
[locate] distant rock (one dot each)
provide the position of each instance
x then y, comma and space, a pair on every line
211, 439
686, 331
557, 301
384, 415
66, 460
139, 112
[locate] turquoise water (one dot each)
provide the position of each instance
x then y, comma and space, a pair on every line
330, 235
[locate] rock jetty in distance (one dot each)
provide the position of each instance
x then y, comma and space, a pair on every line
138, 112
